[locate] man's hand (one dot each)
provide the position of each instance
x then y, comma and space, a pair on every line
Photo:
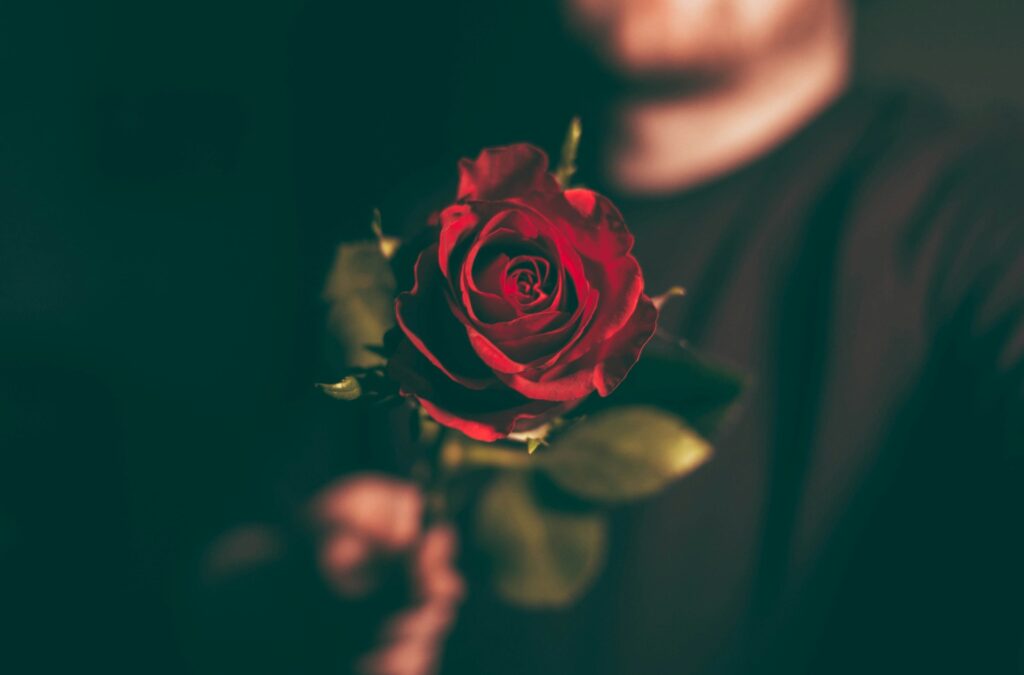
368, 518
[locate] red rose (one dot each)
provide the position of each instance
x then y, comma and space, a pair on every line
527, 301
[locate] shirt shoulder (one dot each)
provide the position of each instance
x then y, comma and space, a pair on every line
944, 198
939, 190
916, 149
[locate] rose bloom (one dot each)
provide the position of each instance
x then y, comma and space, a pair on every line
526, 301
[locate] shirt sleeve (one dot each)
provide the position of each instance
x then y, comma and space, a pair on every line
980, 289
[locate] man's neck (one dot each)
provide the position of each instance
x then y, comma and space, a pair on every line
667, 144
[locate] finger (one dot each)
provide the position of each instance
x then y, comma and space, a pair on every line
412, 639
385, 510
426, 623
345, 551
345, 559
434, 572
401, 658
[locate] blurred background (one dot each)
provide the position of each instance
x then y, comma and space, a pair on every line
173, 179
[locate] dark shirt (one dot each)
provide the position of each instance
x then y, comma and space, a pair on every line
863, 512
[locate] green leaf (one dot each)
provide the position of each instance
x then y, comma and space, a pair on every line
347, 389
624, 453
360, 290
541, 557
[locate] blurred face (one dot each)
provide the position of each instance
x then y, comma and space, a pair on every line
652, 38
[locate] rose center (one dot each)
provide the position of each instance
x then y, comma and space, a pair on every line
527, 280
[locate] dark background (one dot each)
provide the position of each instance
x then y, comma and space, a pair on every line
173, 177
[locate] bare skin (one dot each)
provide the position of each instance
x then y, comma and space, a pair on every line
368, 517
713, 84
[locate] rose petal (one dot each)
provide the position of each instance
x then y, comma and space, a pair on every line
491, 354
508, 171
620, 282
527, 324
483, 301
554, 385
487, 341
487, 415
553, 239
491, 277
515, 229
539, 350
539, 212
487, 308
619, 354
599, 370
599, 231
526, 282
490, 427
424, 317
457, 222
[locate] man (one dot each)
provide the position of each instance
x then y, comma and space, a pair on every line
861, 257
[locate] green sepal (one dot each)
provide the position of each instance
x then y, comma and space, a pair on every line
346, 389
570, 146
